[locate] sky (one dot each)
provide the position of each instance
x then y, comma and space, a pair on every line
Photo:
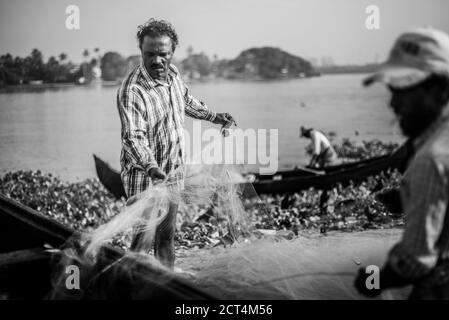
307, 28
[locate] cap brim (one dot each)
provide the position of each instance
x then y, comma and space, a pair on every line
397, 76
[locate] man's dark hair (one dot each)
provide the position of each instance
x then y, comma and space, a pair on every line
155, 27
305, 132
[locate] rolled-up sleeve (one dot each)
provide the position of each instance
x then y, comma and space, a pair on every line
134, 129
425, 198
197, 109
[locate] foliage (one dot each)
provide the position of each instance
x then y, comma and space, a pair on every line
353, 151
367, 149
255, 63
86, 205
113, 66
83, 205
268, 63
199, 64
23, 70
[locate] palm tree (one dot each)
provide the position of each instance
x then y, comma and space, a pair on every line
189, 51
62, 57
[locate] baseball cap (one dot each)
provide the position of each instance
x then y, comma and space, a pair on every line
416, 55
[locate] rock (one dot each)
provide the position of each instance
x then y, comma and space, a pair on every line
266, 232
286, 234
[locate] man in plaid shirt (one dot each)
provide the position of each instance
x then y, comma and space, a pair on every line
417, 74
152, 101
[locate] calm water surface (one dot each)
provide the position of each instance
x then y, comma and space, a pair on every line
58, 130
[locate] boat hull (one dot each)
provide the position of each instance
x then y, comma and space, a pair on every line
30, 270
291, 180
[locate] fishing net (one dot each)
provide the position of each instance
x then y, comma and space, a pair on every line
306, 268
309, 267
217, 187
220, 187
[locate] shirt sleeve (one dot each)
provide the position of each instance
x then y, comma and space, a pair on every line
134, 130
197, 109
425, 197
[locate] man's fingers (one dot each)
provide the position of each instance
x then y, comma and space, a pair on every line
157, 176
230, 118
161, 176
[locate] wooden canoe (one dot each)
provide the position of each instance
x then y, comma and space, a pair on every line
27, 267
344, 174
291, 180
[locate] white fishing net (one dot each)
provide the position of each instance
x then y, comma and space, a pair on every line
204, 187
309, 267
305, 268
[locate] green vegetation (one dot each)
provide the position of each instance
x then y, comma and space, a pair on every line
33, 68
350, 151
268, 63
113, 66
253, 64
86, 205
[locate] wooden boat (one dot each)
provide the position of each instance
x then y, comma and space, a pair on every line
109, 178
27, 266
344, 174
291, 180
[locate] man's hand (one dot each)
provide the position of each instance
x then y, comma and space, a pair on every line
157, 174
312, 163
225, 119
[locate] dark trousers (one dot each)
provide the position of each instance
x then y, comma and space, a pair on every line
164, 240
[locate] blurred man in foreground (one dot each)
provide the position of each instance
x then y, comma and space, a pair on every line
417, 74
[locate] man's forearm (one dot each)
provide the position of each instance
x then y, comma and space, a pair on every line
313, 160
198, 110
142, 154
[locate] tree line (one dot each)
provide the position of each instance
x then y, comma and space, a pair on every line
254, 63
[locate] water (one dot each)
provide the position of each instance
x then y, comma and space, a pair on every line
58, 129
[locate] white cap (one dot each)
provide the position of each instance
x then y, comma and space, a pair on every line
415, 56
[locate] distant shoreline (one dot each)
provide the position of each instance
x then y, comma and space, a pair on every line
57, 85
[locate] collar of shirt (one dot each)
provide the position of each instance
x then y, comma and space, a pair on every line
432, 129
172, 73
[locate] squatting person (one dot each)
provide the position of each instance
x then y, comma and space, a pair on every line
323, 152
152, 102
417, 74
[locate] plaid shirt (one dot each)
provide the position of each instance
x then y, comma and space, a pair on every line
152, 134
425, 195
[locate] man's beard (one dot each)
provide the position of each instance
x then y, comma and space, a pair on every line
158, 74
414, 126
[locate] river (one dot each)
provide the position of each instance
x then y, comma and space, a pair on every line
58, 129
